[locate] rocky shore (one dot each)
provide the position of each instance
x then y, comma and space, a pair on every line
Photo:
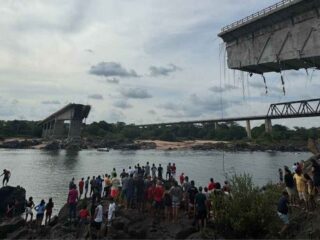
128, 224
105, 145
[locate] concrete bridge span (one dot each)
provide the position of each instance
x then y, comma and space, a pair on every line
283, 36
53, 125
282, 110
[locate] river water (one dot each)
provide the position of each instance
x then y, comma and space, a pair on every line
47, 174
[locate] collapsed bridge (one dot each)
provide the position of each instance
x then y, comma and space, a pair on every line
53, 126
284, 36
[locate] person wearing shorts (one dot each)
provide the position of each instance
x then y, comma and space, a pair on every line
30, 205
283, 211
176, 196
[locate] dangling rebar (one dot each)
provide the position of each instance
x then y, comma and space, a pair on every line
265, 83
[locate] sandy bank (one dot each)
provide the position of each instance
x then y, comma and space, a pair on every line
166, 145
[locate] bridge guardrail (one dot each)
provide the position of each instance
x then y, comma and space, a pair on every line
262, 12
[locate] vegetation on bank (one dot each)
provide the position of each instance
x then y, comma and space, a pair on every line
249, 213
122, 132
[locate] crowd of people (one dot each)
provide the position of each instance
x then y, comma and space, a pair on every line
301, 189
165, 196
144, 188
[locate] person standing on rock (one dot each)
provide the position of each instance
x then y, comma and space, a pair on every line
316, 174
130, 192
49, 208
30, 205
86, 187
192, 193
200, 201
280, 176
158, 195
147, 170
6, 176
160, 171
168, 174
173, 170
72, 202
92, 185
176, 196
115, 186
154, 171
181, 179
40, 212
81, 185
98, 218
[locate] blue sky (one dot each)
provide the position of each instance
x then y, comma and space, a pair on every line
136, 61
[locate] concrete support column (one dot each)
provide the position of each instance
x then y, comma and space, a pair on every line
248, 129
75, 129
268, 126
44, 131
216, 125
58, 129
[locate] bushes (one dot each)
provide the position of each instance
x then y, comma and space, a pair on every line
250, 213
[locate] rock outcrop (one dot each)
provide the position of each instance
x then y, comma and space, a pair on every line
12, 195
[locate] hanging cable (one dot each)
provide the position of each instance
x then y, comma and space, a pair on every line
265, 83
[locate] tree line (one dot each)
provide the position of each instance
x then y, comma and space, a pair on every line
121, 131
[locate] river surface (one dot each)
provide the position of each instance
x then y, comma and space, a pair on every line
47, 174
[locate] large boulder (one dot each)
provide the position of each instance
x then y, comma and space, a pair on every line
15, 195
10, 226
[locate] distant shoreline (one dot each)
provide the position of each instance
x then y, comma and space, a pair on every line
23, 143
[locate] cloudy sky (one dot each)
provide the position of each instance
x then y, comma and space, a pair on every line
136, 61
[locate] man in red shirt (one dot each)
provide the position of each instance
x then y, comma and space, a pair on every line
81, 184
211, 185
157, 197
72, 202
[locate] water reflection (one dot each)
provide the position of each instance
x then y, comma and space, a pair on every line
71, 159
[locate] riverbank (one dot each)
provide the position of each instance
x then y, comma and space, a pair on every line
134, 224
103, 144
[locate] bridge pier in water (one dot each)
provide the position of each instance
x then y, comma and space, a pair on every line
248, 129
268, 125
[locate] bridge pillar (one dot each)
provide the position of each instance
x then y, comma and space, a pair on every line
216, 125
58, 129
248, 129
268, 125
75, 129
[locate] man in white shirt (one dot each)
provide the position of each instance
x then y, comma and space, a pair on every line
98, 217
